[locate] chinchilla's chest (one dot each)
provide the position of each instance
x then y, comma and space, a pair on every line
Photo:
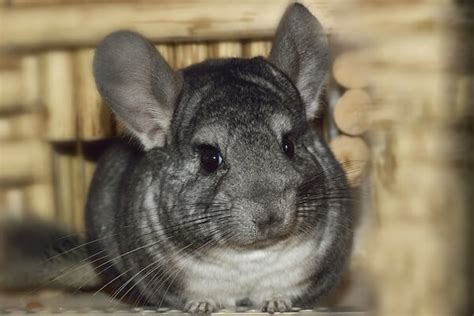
228, 276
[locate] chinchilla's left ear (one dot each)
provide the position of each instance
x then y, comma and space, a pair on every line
138, 85
300, 49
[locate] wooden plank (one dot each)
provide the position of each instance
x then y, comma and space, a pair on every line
94, 119
167, 20
58, 92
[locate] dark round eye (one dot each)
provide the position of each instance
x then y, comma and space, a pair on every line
288, 146
211, 158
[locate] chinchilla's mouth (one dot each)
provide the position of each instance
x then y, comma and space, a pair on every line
266, 241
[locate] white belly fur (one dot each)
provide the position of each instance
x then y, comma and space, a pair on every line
227, 276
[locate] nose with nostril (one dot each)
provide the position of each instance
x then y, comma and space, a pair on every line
266, 223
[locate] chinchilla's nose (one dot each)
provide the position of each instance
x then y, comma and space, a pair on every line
273, 216
269, 224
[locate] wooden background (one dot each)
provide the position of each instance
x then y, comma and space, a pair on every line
399, 118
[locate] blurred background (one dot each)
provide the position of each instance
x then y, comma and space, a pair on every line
399, 117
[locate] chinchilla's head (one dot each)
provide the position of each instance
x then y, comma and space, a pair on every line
244, 167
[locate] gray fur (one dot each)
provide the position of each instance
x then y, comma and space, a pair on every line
138, 84
165, 226
300, 50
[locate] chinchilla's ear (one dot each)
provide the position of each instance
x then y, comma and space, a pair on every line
138, 85
300, 49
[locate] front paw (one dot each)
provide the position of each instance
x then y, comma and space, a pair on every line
279, 304
200, 307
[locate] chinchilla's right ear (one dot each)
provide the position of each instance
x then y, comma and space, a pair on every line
138, 85
300, 49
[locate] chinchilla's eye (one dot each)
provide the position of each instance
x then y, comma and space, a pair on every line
288, 146
211, 158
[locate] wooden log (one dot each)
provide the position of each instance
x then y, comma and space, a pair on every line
188, 54
167, 51
353, 154
10, 61
30, 76
417, 255
352, 112
351, 70
58, 93
39, 198
23, 161
354, 69
94, 119
12, 204
256, 48
63, 188
21, 126
159, 21
10, 90
225, 49
78, 191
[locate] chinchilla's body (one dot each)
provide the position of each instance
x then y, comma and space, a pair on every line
231, 197
234, 197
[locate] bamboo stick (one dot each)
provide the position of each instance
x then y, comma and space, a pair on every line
160, 21
167, 51
257, 48
30, 76
352, 112
78, 192
58, 92
353, 154
63, 188
10, 90
225, 49
23, 161
94, 119
188, 54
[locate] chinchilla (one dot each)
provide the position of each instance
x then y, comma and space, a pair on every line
229, 196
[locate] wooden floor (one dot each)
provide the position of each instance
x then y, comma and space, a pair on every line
56, 302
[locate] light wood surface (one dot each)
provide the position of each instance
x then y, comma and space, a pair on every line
225, 49
10, 90
159, 21
188, 54
352, 112
23, 161
257, 48
353, 154
57, 88
94, 119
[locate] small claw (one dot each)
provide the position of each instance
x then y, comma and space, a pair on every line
276, 305
200, 307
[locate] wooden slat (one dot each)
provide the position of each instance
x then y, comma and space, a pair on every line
257, 48
57, 88
23, 161
94, 119
225, 49
10, 90
166, 20
21, 126
188, 54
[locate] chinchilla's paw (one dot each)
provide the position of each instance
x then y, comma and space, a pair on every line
278, 304
201, 307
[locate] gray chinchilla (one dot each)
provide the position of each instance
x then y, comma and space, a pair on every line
231, 198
